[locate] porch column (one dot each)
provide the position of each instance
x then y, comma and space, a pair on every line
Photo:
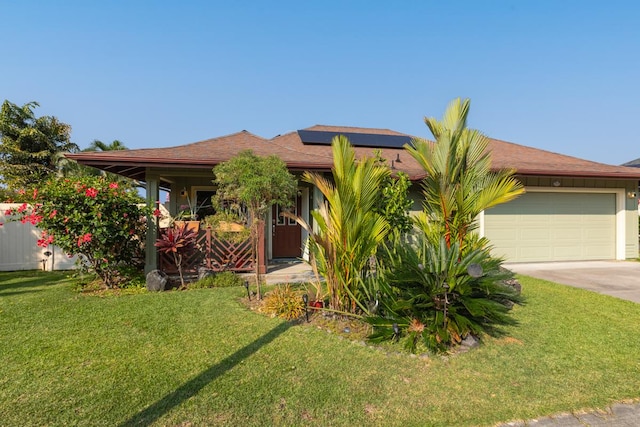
153, 195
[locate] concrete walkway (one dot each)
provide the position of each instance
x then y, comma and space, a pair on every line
618, 415
292, 271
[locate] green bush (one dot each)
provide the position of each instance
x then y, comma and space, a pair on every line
284, 302
91, 217
429, 293
224, 279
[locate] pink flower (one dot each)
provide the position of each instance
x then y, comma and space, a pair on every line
113, 185
22, 208
21, 192
125, 214
91, 192
53, 213
8, 212
156, 213
86, 238
45, 241
35, 193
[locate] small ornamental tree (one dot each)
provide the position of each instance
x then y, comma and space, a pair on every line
257, 183
90, 217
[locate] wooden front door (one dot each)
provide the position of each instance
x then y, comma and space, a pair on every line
286, 233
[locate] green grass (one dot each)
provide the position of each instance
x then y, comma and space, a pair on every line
201, 358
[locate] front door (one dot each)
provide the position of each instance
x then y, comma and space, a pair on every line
286, 233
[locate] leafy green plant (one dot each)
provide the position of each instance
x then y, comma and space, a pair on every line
347, 229
177, 241
459, 182
257, 183
228, 225
223, 279
30, 147
90, 217
285, 302
431, 294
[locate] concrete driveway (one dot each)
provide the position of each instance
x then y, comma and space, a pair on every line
620, 279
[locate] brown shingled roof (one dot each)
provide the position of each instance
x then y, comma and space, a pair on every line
298, 156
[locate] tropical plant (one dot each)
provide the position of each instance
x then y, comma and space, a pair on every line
90, 217
348, 229
285, 302
257, 183
178, 241
459, 182
436, 295
396, 204
30, 147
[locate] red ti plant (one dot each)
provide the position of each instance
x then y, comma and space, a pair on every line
177, 241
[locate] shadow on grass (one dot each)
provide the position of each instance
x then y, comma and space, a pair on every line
20, 281
150, 414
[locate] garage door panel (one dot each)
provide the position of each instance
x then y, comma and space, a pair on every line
542, 226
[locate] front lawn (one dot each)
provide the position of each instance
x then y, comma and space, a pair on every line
201, 358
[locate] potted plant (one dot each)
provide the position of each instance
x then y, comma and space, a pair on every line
228, 225
188, 215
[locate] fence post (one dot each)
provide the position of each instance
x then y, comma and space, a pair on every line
262, 262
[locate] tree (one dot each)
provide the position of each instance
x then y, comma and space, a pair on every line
257, 183
91, 217
349, 226
98, 145
460, 183
446, 285
30, 147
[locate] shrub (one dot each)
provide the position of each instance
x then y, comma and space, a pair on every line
92, 218
284, 302
429, 293
224, 279
177, 241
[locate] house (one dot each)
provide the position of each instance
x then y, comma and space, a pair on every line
573, 209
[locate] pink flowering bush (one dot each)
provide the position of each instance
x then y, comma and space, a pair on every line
92, 218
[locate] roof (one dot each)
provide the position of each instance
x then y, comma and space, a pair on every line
289, 147
633, 163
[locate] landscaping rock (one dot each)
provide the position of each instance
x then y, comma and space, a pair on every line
470, 342
156, 281
204, 272
513, 282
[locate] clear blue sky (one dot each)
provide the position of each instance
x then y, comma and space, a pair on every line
558, 75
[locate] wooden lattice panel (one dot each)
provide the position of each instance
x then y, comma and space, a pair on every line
214, 254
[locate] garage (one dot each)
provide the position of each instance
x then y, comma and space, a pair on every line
554, 226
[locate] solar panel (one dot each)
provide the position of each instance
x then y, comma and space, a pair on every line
316, 137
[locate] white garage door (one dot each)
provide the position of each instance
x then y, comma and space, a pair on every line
554, 227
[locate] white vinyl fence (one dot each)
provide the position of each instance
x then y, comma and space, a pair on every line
19, 249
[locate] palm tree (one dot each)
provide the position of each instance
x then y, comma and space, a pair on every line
460, 183
349, 230
98, 145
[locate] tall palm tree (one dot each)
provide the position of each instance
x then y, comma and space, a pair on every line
460, 183
349, 230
